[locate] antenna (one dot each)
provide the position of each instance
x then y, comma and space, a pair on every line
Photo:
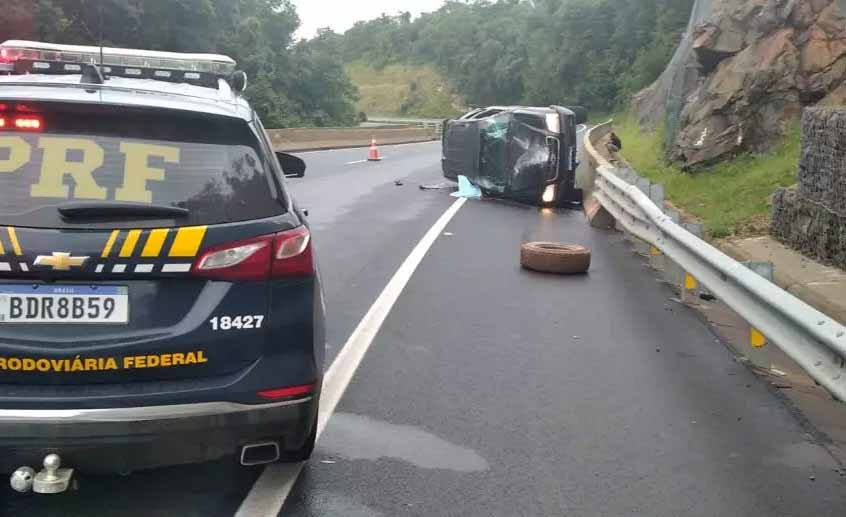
91, 73
100, 23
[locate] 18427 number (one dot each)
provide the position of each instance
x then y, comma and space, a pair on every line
236, 322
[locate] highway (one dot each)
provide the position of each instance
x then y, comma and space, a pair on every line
488, 390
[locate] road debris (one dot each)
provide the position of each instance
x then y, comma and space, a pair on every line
553, 257
398, 183
467, 189
440, 186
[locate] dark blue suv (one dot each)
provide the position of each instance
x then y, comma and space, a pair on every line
159, 301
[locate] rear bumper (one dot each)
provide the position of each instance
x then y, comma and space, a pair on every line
126, 439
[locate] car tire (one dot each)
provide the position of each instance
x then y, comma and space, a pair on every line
554, 257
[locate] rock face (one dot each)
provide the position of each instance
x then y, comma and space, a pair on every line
746, 68
811, 217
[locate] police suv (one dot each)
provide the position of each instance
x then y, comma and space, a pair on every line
159, 301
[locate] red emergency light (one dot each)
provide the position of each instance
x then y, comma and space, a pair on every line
28, 123
21, 122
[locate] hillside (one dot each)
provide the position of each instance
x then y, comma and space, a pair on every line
403, 90
592, 53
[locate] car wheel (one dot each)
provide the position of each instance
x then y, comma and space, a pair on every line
553, 257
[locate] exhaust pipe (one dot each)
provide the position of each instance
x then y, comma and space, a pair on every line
259, 453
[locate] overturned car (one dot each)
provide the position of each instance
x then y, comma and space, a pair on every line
522, 153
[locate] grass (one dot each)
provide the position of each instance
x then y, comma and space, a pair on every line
403, 91
730, 198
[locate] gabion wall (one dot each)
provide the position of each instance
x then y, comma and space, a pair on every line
812, 217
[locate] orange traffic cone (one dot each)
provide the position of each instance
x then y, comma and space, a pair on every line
373, 156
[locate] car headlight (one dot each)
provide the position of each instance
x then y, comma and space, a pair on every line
549, 194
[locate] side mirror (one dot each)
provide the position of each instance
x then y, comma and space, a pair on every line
292, 166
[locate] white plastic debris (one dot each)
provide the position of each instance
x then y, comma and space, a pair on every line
467, 189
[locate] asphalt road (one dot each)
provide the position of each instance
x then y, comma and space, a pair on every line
493, 391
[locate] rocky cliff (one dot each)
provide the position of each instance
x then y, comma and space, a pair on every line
744, 70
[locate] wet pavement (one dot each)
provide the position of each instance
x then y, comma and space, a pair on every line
555, 396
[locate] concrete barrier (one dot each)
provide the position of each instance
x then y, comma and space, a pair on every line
305, 139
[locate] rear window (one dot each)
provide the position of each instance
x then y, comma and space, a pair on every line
212, 166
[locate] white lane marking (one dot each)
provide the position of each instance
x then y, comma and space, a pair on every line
361, 147
355, 162
273, 486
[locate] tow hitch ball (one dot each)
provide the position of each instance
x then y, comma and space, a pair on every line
51, 480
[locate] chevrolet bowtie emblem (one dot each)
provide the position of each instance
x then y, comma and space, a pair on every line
60, 261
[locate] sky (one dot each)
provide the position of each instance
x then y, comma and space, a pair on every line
340, 15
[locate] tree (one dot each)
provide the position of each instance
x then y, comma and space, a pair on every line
290, 83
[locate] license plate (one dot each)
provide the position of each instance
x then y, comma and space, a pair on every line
68, 304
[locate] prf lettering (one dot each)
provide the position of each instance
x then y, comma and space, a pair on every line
164, 360
55, 167
101, 364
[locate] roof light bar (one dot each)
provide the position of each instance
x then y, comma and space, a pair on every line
24, 57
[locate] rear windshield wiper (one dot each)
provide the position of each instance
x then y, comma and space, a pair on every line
108, 209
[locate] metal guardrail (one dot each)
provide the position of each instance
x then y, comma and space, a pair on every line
302, 139
425, 123
815, 341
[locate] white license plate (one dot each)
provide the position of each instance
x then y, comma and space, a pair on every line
68, 304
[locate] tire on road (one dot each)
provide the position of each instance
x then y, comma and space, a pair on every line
555, 257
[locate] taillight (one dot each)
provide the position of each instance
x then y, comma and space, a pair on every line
284, 254
285, 393
292, 253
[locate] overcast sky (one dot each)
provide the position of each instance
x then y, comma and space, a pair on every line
342, 14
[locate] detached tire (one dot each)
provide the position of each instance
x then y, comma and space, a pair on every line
554, 257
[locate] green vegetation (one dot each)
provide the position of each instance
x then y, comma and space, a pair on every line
593, 53
403, 90
290, 83
729, 198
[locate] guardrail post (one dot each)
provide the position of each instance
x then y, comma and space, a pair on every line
757, 351
656, 194
690, 284
673, 274
630, 177
642, 247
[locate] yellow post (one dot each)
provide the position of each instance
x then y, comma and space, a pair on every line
756, 339
690, 282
